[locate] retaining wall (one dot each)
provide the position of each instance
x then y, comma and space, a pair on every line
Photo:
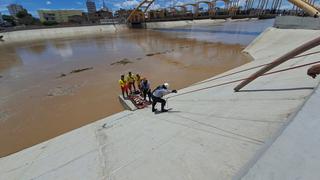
53, 33
170, 24
294, 22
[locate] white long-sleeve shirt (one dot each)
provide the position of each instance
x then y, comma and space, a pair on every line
161, 92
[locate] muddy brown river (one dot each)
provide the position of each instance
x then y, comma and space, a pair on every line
42, 97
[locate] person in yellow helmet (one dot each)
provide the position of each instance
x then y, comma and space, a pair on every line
123, 85
131, 82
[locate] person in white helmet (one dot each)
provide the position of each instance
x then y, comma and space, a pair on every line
157, 95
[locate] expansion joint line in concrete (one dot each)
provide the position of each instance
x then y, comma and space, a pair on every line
220, 129
238, 80
230, 118
231, 136
227, 75
115, 121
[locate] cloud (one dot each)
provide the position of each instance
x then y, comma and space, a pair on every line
286, 6
155, 6
179, 3
48, 2
3, 6
127, 4
79, 3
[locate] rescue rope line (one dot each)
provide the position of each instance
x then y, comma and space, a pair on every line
230, 82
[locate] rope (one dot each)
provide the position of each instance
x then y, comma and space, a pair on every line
230, 82
316, 52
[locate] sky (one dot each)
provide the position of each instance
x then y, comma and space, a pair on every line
33, 5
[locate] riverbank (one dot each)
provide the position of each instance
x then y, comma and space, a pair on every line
58, 101
213, 133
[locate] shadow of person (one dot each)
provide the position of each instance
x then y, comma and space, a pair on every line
169, 111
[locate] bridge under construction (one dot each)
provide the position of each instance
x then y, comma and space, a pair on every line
232, 9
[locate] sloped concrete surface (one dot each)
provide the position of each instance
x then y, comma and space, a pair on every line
63, 32
295, 154
209, 134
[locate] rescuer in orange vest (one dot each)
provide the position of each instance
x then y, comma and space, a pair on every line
123, 85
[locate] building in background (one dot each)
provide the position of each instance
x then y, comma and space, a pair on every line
99, 15
91, 6
59, 16
122, 14
102, 16
77, 19
14, 9
1, 19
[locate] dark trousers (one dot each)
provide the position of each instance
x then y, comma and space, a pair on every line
146, 92
155, 100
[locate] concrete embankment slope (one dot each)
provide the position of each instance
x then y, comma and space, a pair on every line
53, 33
295, 154
211, 133
172, 24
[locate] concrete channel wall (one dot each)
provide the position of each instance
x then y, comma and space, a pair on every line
295, 22
172, 24
54, 33
69, 32
211, 133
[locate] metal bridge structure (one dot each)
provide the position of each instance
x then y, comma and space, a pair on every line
232, 8
144, 6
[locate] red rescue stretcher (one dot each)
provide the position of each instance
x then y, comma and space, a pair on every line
138, 101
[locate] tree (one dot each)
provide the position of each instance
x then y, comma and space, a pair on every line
25, 18
9, 19
50, 23
22, 14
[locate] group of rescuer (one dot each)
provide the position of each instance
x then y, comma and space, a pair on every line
129, 82
128, 86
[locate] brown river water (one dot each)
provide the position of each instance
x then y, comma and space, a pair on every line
40, 98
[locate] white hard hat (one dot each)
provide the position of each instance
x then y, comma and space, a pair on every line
166, 85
